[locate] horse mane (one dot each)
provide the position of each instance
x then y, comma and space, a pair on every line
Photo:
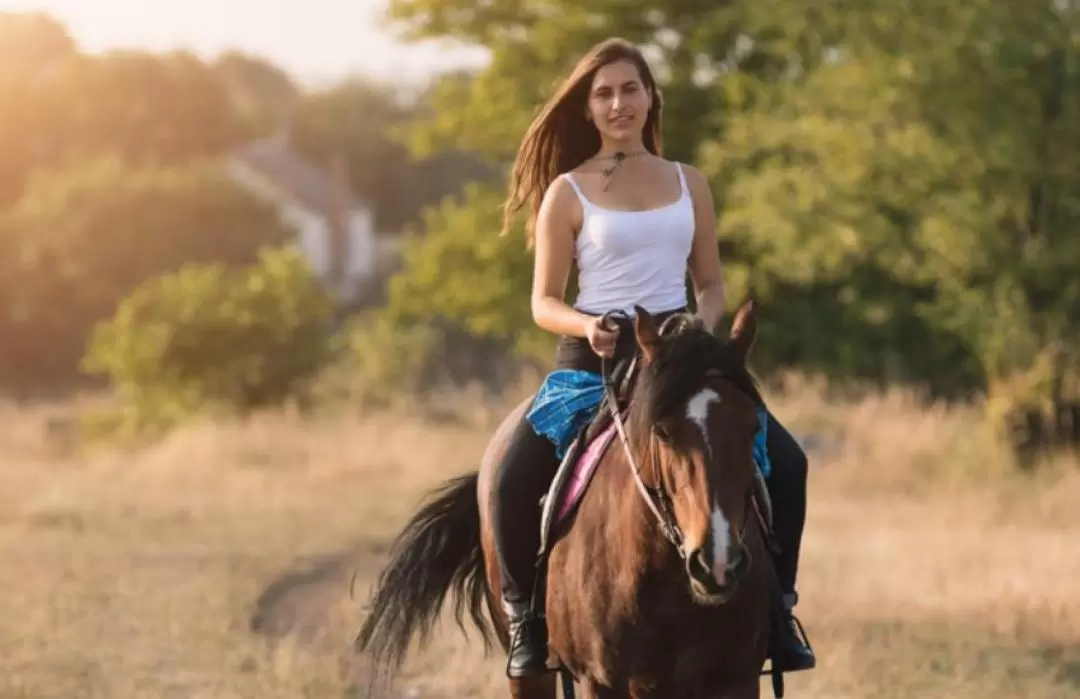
682, 358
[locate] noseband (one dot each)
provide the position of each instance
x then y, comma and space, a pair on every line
656, 498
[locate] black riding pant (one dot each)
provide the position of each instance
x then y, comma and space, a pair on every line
530, 463
787, 488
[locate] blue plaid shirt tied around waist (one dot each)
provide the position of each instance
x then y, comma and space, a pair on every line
568, 400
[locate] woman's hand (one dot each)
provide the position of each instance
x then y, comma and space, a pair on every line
600, 338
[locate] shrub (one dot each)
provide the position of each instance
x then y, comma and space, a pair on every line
214, 337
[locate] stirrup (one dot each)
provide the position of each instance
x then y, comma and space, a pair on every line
802, 637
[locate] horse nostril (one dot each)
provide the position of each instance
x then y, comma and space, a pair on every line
734, 558
699, 565
738, 560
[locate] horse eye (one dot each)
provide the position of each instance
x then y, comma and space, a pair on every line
662, 434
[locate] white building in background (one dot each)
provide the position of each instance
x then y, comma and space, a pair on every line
346, 258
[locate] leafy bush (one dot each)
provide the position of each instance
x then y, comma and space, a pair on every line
214, 337
383, 361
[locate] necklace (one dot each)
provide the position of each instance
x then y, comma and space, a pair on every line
619, 157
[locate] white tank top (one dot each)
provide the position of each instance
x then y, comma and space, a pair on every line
633, 257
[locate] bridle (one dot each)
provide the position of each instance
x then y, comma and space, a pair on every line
656, 498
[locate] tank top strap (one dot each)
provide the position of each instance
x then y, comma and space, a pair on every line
569, 176
682, 179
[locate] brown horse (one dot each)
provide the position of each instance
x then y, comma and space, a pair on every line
660, 582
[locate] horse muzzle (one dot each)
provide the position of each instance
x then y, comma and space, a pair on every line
710, 586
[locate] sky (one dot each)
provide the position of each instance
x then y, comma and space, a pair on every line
316, 41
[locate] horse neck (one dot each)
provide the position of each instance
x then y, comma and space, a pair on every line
630, 543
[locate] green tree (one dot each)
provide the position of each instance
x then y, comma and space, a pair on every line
490, 301
81, 239
944, 159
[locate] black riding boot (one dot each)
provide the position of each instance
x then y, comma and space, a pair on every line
522, 480
528, 652
792, 652
787, 489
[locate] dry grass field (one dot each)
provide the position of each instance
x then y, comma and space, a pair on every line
217, 562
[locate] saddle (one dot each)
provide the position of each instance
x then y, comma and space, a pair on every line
584, 454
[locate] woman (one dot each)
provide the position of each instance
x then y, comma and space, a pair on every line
602, 196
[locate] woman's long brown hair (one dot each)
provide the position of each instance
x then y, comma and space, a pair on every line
560, 138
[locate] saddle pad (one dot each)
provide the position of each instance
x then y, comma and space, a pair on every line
571, 481
583, 470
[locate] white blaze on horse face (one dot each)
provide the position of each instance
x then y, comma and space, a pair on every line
697, 411
721, 541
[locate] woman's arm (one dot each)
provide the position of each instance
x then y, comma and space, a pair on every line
704, 259
551, 267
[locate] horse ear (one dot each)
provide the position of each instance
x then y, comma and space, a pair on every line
744, 328
646, 334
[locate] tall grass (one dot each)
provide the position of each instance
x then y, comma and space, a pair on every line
217, 561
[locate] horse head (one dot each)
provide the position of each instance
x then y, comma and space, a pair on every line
694, 421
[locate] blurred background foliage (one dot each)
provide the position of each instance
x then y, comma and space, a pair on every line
898, 185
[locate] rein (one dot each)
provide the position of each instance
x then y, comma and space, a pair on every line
659, 504
655, 498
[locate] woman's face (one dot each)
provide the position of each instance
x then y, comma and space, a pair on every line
618, 101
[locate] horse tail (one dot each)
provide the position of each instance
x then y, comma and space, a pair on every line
438, 551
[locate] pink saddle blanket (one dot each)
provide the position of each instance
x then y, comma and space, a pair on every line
581, 474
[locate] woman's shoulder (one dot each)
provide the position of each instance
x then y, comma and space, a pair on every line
561, 187
696, 181
560, 201
688, 169
663, 166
